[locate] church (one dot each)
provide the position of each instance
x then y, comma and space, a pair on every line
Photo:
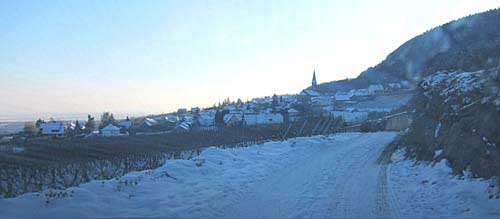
313, 90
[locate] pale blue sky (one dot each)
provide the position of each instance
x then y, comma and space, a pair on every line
59, 57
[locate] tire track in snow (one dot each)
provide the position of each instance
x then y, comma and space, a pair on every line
387, 203
338, 179
345, 196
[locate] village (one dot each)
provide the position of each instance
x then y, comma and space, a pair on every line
353, 107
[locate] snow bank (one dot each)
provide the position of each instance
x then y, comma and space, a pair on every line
425, 190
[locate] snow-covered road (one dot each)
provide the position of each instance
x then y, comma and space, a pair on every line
332, 176
336, 180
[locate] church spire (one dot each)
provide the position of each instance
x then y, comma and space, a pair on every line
314, 84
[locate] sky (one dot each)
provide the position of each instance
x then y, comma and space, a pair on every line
60, 58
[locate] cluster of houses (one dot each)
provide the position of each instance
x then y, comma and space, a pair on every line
65, 128
259, 111
344, 104
276, 109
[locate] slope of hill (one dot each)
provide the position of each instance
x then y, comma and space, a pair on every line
469, 44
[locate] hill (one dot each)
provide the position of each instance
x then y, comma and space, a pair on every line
467, 44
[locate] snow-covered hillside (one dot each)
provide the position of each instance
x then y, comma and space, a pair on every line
332, 176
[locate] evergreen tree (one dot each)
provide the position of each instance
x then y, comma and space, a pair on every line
77, 129
30, 129
39, 122
90, 125
275, 102
106, 119
226, 101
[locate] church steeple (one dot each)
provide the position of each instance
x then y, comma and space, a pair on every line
314, 84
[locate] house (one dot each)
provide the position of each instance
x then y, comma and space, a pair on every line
342, 96
310, 92
77, 127
206, 118
110, 130
395, 86
360, 92
52, 128
287, 98
126, 124
150, 122
233, 119
322, 100
184, 126
327, 111
181, 111
262, 100
188, 118
195, 110
230, 108
306, 95
375, 89
171, 118
262, 118
293, 115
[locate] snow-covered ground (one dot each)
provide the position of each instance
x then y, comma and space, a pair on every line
332, 176
428, 190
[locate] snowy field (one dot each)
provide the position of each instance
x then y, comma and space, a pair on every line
317, 177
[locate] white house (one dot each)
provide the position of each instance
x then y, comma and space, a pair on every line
150, 122
395, 85
125, 124
184, 126
52, 128
171, 118
288, 98
360, 92
110, 130
322, 100
342, 96
206, 118
263, 118
231, 108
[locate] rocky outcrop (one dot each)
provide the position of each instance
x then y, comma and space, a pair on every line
457, 117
